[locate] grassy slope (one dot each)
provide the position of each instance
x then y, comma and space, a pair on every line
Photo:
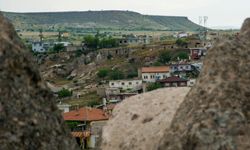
123, 20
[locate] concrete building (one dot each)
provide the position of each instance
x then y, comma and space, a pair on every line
126, 84
64, 107
40, 47
153, 74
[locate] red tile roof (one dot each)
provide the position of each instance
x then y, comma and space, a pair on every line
85, 114
173, 79
81, 134
160, 69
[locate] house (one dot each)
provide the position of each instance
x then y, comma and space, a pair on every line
197, 53
181, 67
132, 85
64, 107
132, 39
81, 122
119, 96
153, 74
40, 47
65, 44
181, 35
173, 81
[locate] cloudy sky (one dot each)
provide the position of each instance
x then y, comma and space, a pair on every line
230, 13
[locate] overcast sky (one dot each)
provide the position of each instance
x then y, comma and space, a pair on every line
220, 12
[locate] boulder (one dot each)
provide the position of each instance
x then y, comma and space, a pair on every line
138, 122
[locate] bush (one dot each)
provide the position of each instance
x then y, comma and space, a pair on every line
64, 93
165, 57
102, 73
153, 86
181, 56
182, 42
58, 47
116, 75
132, 74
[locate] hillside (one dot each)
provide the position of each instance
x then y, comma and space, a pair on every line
115, 20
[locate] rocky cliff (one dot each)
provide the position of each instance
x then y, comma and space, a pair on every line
29, 118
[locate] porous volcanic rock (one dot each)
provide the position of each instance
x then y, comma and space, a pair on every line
29, 119
215, 115
139, 121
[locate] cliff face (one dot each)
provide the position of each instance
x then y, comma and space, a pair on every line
29, 118
215, 115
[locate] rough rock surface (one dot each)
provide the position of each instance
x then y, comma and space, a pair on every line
28, 117
138, 122
215, 115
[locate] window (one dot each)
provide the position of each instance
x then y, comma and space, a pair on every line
130, 83
112, 83
123, 83
137, 82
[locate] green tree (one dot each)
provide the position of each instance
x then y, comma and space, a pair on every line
182, 42
102, 73
164, 57
116, 75
153, 86
58, 47
91, 41
132, 74
64, 93
183, 55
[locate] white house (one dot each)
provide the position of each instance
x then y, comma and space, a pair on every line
153, 74
65, 44
182, 67
40, 47
181, 35
64, 107
126, 84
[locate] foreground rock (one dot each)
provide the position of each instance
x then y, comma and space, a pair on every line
215, 115
139, 121
28, 117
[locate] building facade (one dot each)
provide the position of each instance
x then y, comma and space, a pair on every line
126, 84
153, 74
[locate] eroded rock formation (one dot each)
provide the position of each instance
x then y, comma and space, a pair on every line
139, 122
29, 118
215, 115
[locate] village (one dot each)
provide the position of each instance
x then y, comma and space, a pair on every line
168, 63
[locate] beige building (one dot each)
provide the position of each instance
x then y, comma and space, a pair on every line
153, 74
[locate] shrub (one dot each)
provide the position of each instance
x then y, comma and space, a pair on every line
164, 57
102, 73
132, 74
64, 93
182, 42
153, 86
116, 75
58, 47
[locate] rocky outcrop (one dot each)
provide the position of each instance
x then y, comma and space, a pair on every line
138, 122
215, 115
29, 118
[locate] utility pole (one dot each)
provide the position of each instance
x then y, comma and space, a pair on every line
41, 35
